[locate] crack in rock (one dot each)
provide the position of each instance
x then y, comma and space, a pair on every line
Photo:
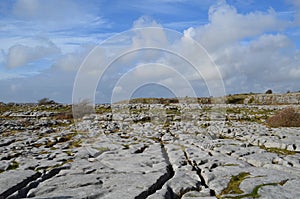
22, 189
199, 173
44, 177
142, 149
19, 186
162, 179
171, 194
7, 142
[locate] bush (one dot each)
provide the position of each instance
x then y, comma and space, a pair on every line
46, 101
82, 108
269, 91
288, 117
236, 99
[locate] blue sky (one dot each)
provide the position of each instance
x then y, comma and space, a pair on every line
255, 44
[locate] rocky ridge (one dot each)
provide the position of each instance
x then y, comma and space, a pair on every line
148, 151
269, 99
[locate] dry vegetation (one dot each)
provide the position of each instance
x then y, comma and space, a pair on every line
82, 108
288, 117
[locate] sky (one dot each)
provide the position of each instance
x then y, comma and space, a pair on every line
69, 50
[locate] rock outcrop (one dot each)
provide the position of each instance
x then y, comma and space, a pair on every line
273, 99
150, 151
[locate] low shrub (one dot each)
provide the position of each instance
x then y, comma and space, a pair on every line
64, 116
46, 101
269, 91
288, 117
236, 99
82, 108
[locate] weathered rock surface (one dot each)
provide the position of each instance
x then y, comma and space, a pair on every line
290, 98
150, 151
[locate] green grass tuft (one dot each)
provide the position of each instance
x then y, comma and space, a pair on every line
278, 151
233, 186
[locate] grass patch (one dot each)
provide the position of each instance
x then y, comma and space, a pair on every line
152, 101
224, 137
66, 115
65, 138
233, 110
236, 99
102, 149
102, 109
155, 139
13, 165
50, 144
278, 151
172, 110
75, 144
205, 125
37, 145
254, 193
233, 186
44, 152
230, 165
48, 168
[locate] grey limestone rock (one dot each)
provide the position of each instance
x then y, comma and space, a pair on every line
130, 152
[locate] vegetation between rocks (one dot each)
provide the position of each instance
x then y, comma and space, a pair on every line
288, 117
233, 187
278, 150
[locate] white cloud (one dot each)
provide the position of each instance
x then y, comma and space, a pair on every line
55, 10
268, 61
20, 55
227, 26
145, 74
69, 62
57, 15
72, 61
250, 58
295, 73
251, 50
296, 4
6, 75
148, 37
151, 71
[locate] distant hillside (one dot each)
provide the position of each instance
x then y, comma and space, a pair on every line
189, 100
247, 98
273, 99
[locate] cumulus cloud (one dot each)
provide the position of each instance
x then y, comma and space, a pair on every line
261, 63
296, 5
242, 62
72, 61
20, 55
227, 26
251, 50
148, 37
157, 74
248, 53
69, 62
